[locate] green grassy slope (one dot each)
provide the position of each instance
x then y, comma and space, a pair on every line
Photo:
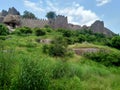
23, 66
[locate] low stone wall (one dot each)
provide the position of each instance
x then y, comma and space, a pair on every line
81, 51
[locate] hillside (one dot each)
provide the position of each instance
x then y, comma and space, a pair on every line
44, 59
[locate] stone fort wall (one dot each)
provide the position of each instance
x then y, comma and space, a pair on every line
32, 23
59, 22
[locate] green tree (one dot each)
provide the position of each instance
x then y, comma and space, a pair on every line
28, 14
51, 15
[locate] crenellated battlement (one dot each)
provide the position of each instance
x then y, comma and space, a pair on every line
34, 22
59, 22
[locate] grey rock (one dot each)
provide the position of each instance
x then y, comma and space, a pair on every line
98, 27
12, 21
13, 11
1, 19
4, 13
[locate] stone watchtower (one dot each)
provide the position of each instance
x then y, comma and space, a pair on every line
59, 22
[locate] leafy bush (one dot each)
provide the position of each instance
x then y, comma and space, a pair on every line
45, 48
3, 30
116, 42
67, 33
58, 48
39, 32
81, 38
23, 31
106, 58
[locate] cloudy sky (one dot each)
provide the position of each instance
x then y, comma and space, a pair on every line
81, 12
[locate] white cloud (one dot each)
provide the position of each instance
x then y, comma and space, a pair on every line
76, 13
102, 2
32, 5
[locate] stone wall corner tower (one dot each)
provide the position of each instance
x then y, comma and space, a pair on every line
59, 22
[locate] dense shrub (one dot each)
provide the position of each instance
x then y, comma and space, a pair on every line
106, 58
116, 42
58, 48
67, 33
39, 32
3, 30
45, 48
81, 38
23, 31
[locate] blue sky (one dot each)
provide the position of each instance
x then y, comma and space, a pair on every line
81, 12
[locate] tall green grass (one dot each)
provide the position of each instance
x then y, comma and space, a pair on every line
26, 67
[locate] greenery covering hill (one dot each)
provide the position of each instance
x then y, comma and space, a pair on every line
26, 63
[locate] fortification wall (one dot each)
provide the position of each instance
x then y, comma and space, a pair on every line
61, 22
32, 23
74, 27
1, 19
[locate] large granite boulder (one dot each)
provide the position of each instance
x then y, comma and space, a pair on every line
14, 19
13, 11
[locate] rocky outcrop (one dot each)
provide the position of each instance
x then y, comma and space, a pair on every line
98, 27
4, 13
13, 11
12, 19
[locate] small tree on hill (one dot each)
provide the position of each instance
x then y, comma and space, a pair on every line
59, 47
29, 15
51, 15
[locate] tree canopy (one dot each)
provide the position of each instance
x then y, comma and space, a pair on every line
29, 15
51, 15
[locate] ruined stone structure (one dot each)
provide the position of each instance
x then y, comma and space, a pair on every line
61, 22
32, 23
12, 19
74, 27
